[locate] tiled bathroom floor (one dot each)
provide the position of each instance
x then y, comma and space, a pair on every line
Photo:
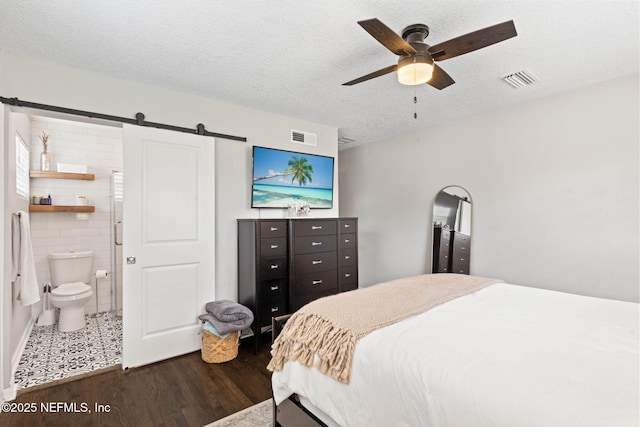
52, 355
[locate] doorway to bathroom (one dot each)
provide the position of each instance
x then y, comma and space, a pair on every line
83, 215
170, 229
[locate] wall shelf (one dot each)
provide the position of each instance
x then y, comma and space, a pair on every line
60, 208
62, 175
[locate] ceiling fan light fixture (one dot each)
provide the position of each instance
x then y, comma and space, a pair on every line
414, 70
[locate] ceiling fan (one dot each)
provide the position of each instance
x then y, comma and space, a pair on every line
416, 63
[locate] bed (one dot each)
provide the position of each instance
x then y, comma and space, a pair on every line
499, 355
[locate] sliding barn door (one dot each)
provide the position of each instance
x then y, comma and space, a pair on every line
168, 242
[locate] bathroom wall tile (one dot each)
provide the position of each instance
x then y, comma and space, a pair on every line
100, 148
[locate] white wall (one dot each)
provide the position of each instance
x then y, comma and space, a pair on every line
48, 83
554, 184
100, 149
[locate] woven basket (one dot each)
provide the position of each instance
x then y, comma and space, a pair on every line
218, 350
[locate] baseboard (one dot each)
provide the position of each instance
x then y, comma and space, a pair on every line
9, 394
15, 359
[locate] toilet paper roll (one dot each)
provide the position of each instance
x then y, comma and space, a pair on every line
102, 274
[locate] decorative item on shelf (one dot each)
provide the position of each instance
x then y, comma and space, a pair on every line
303, 210
298, 210
45, 159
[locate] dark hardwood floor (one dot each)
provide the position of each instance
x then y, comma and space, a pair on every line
183, 391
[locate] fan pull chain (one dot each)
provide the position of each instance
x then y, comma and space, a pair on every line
415, 106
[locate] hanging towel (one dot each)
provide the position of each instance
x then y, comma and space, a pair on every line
27, 280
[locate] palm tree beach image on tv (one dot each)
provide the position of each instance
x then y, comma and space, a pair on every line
282, 178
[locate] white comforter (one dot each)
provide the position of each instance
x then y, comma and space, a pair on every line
504, 356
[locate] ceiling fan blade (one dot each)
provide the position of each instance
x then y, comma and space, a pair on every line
473, 41
370, 76
387, 37
440, 79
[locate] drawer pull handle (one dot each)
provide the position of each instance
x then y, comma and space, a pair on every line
275, 288
347, 240
274, 309
316, 227
462, 248
316, 282
274, 266
347, 257
316, 261
276, 247
461, 259
347, 275
316, 243
347, 226
274, 228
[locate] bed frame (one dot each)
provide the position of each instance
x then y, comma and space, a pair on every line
290, 413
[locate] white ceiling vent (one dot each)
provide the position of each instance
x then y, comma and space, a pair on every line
306, 138
345, 140
521, 79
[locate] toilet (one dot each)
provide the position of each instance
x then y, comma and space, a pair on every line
70, 275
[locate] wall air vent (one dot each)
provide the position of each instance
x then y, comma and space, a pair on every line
306, 138
521, 79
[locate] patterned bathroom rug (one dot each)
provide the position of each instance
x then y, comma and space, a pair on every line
51, 355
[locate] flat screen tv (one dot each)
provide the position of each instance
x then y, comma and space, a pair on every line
282, 178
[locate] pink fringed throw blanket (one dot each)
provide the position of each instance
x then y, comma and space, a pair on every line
330, 327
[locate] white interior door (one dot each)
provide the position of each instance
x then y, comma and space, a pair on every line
168, 242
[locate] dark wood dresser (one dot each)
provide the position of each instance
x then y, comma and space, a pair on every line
441, 250
460, 253
285, 263
451, 251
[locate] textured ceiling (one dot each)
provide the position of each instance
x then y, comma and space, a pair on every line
291, 56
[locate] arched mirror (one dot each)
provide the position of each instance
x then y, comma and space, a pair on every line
451, 231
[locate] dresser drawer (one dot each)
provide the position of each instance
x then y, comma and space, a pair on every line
271, 309
348, 287
445, 235
460, 239
461, 250
273, 268
313, 244
274, 290
311, 227
348, 225
273, 229
347, 241
348, 275
315, 282
460, 265
307, 298
347, 257
274, 246
311, 263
